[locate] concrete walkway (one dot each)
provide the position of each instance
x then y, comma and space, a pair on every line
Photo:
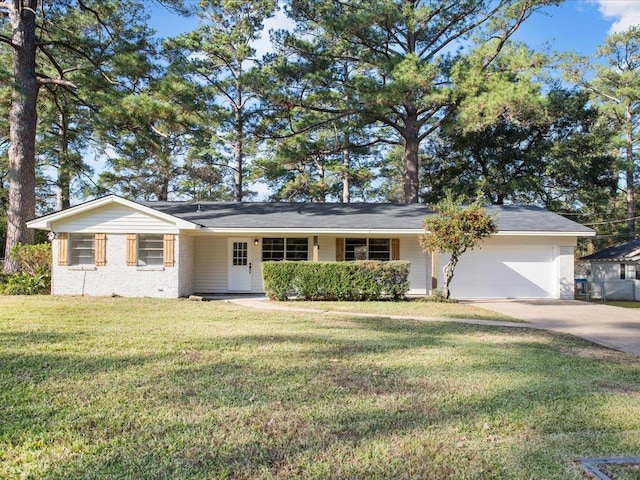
613, 327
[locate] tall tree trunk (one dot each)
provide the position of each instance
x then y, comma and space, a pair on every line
411, 162
346, 172
237, 159
22, 128
163, 193
631, 223
411, 143
238, 147
630, 176
63, 182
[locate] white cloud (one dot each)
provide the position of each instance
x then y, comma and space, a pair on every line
277, 22
626, 13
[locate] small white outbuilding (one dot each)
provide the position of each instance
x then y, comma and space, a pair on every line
614, 272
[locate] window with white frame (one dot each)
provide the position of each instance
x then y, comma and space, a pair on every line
150, 249
632, 271
367, 249
276, 249
82, 249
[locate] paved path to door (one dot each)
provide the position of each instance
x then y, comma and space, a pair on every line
614, 327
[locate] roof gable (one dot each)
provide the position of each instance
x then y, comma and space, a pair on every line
112, 214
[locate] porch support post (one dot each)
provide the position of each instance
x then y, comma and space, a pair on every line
434, 270
316, 248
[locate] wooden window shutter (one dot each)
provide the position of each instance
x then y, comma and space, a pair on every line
100, 250
132, 249
339, 249
395, 249
63, 248
169, 245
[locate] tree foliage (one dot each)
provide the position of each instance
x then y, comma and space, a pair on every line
612, 77
403, 74
553, 152
146, 133
56, 45
219, 57
383, 100
454, 230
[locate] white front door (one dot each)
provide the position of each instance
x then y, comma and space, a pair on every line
239, 267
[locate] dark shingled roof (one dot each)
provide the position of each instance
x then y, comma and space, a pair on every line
623, 251
351, 216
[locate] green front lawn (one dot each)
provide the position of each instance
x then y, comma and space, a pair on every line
410, 307
623, 304
132, 389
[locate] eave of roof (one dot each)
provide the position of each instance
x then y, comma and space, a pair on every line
370, 231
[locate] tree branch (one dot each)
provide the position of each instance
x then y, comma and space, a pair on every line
7, 40
42, 80
97, 15
502, 40
158, 132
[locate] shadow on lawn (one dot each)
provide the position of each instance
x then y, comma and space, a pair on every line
31, 382
398, 399
29, 338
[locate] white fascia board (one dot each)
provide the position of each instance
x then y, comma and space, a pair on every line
412, 232
544, 234
44, 223
306, 231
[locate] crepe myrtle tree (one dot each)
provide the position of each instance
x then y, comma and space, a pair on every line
454, 230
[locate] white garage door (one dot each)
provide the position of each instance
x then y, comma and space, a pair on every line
524, 271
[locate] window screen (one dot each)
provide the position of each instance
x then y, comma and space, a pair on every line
150, 250
82, 249
276, 249
367, 249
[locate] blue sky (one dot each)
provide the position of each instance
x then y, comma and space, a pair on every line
576, 25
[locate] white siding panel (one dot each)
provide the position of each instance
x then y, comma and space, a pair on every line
256, 271
327, 252
420, 270
210, 266
606, 272
114, 219
606, 282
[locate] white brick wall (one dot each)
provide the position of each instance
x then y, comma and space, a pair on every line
116, 278
565, 270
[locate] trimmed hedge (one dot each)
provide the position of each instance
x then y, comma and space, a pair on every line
362, 280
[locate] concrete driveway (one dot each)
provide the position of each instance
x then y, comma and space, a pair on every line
613, 327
